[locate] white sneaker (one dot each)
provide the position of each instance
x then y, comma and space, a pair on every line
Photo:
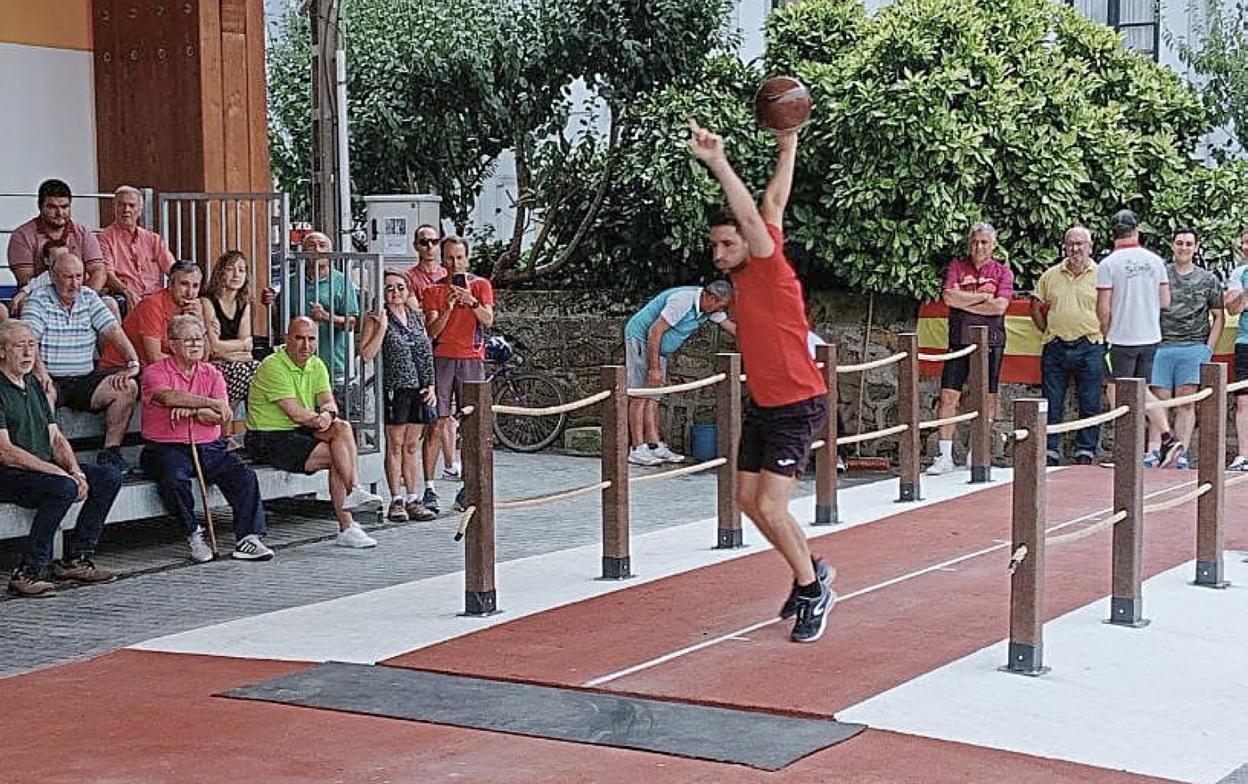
840, 465
360, 500
641, 455
250, 548
665, 454
200, 551
355, 537
943, 465
1240, 463
452, 472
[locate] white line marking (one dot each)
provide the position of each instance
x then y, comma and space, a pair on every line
678, 653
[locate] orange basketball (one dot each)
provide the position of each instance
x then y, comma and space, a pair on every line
781, 103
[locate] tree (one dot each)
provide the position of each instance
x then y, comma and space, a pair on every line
1219, 59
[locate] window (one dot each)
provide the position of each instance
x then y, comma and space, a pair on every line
1135, 19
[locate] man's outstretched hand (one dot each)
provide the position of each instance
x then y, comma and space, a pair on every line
706, 146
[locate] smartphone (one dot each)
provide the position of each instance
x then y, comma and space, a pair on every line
460, 279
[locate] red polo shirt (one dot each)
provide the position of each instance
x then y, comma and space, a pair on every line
771, 330
149, 318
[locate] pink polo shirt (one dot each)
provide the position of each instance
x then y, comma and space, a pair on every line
156, 424
137, 257
29, 238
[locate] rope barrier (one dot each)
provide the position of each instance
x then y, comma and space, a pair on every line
1162, 506
1237, 386
1232, 482
819, 444
953, 420
1080, 424
962, 352
872, 365
656, 391
1075, 536
1175, 402
690, 469
575, 405
1016, 560
464, 518
542, 500
465, 411
1022, 434
888, 431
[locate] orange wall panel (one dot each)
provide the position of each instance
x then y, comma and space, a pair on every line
62, 24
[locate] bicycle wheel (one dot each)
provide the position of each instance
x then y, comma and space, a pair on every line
529, 390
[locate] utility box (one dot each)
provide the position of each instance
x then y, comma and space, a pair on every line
393, 220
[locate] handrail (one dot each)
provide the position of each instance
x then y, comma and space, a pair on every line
953, 420
1075, 536
872, 365
1175, 402
962, 352
888, 431
575, 405
656, 391
1080, 424
1162, 506
542, 500
689, 469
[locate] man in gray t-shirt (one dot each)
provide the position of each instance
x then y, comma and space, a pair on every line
1190, 329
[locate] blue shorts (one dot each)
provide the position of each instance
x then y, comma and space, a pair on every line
1178, 366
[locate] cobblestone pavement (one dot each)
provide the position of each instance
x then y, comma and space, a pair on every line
162, 592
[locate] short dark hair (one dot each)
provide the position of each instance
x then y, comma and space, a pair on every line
1123, 224
454, 239
723, 217
1186, 230
54, 189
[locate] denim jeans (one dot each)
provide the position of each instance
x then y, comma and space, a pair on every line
1084, 360
51, 497
171, 466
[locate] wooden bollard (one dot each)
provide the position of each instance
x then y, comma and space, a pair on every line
981, 426
728, 434
825, 460
616, 562
1211, 507
911, 441
476, 433
1126, 604
1026, 649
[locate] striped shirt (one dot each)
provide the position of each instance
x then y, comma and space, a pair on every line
67, 338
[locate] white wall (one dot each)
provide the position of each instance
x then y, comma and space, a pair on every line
48, 129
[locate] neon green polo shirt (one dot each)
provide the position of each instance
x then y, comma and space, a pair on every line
279, 378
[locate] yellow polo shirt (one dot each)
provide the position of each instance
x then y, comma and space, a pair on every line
1072, 303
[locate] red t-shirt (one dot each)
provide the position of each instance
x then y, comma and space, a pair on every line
771, 330
463, 337
151, 318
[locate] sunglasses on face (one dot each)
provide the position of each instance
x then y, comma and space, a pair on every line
426, 242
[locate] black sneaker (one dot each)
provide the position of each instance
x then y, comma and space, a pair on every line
1083, 460
822, 574
430, 500
461, 500
812, 615
1169, 451
110, 457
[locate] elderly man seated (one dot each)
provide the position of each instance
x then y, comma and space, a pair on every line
292, 423
184, 404
134, 257
38, 470
67, 319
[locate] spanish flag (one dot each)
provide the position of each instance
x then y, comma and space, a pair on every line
1023, 342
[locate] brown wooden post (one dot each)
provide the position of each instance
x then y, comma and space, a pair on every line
911, 441
1026, 650
476, 433
981, 427
616, 563
728, 434
1126, 604
1211, 507
825, 460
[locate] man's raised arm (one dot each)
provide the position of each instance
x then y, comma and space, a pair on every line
709, 148
776, 197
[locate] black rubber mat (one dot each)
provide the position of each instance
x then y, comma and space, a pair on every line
760, 740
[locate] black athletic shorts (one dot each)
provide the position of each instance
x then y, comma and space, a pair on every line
1132, 361
957, 371
407, 407
777, 439
287, 450
1241, 365
75, 392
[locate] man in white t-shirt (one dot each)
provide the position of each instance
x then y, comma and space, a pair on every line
1132, 289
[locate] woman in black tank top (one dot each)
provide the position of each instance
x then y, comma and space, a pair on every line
227, 318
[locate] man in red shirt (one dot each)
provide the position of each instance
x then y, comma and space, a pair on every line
458, 311
134, 257
788, 403
52, 223
147, 326
427, 271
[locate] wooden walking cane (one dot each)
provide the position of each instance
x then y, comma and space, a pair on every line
203, 486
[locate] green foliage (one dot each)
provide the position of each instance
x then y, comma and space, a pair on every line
1211, 199
1220, 61
813, 30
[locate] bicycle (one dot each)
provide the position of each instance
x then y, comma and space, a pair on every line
528, 388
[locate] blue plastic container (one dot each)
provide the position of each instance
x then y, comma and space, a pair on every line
703, 442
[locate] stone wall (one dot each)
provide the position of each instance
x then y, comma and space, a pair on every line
572, 334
